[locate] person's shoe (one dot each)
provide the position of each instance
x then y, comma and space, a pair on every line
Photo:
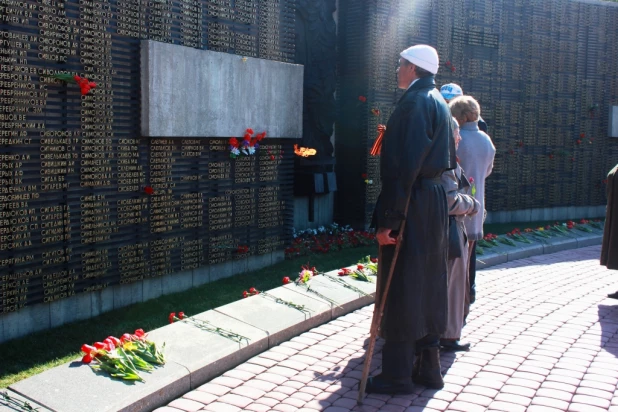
429, 373
450, 345
387, 386
613, 295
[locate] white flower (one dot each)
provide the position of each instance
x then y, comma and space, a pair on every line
251, 150
235, 151
245, 152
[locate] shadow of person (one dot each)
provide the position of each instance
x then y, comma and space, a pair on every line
341, 384
608, 318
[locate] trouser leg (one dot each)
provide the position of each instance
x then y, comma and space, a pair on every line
397, 359
472, 271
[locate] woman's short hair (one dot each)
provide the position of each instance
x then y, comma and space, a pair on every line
465, 108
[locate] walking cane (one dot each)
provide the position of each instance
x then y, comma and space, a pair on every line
378, 309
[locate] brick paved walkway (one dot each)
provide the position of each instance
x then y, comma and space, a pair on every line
544, 338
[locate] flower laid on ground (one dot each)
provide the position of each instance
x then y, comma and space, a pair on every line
247, 146
254, 291
370, 264
489, 240
304, 277
516, 234
506, 241
208, 327
123, 358
286, 280
15, 404
344, 272
325, 239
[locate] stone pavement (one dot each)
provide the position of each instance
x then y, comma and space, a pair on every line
544, 338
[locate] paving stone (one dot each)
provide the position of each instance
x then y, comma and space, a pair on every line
297, 403
582, 407
591, 400
481, 390
506, 406
550, 403
221, 407
465, 407
257, 407
283, 407
512, 398
474, 398
201, 397
186, 405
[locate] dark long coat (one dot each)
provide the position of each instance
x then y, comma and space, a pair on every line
609, 249
418, 146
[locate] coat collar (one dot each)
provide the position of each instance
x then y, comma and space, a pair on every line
423, 83
470, 126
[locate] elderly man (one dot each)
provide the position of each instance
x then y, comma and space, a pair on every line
418, 146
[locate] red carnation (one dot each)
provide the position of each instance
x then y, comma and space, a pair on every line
364, 175
245, 294
148, 190
171, 317
286, 280
249, 131
362, 99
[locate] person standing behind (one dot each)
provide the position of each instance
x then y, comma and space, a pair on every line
460, 204
609, 247
418, 146
476, 155
450, 91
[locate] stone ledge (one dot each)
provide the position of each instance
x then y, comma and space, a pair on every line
5, 406
196, 356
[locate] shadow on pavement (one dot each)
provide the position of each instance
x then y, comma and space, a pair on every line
608, 318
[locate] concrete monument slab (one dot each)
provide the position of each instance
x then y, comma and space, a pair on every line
75, 387
188, 92
207, 354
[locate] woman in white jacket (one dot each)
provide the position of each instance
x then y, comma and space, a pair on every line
476, 155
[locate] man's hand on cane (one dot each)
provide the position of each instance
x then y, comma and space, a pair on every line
384, 237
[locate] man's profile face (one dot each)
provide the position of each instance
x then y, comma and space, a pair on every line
405, 74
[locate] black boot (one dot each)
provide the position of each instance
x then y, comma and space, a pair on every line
429, 373
454, 345
387, 386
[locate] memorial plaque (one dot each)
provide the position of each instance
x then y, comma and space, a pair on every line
85, 201
540, 71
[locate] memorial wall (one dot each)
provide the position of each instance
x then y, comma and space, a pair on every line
544, 72
85, 201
